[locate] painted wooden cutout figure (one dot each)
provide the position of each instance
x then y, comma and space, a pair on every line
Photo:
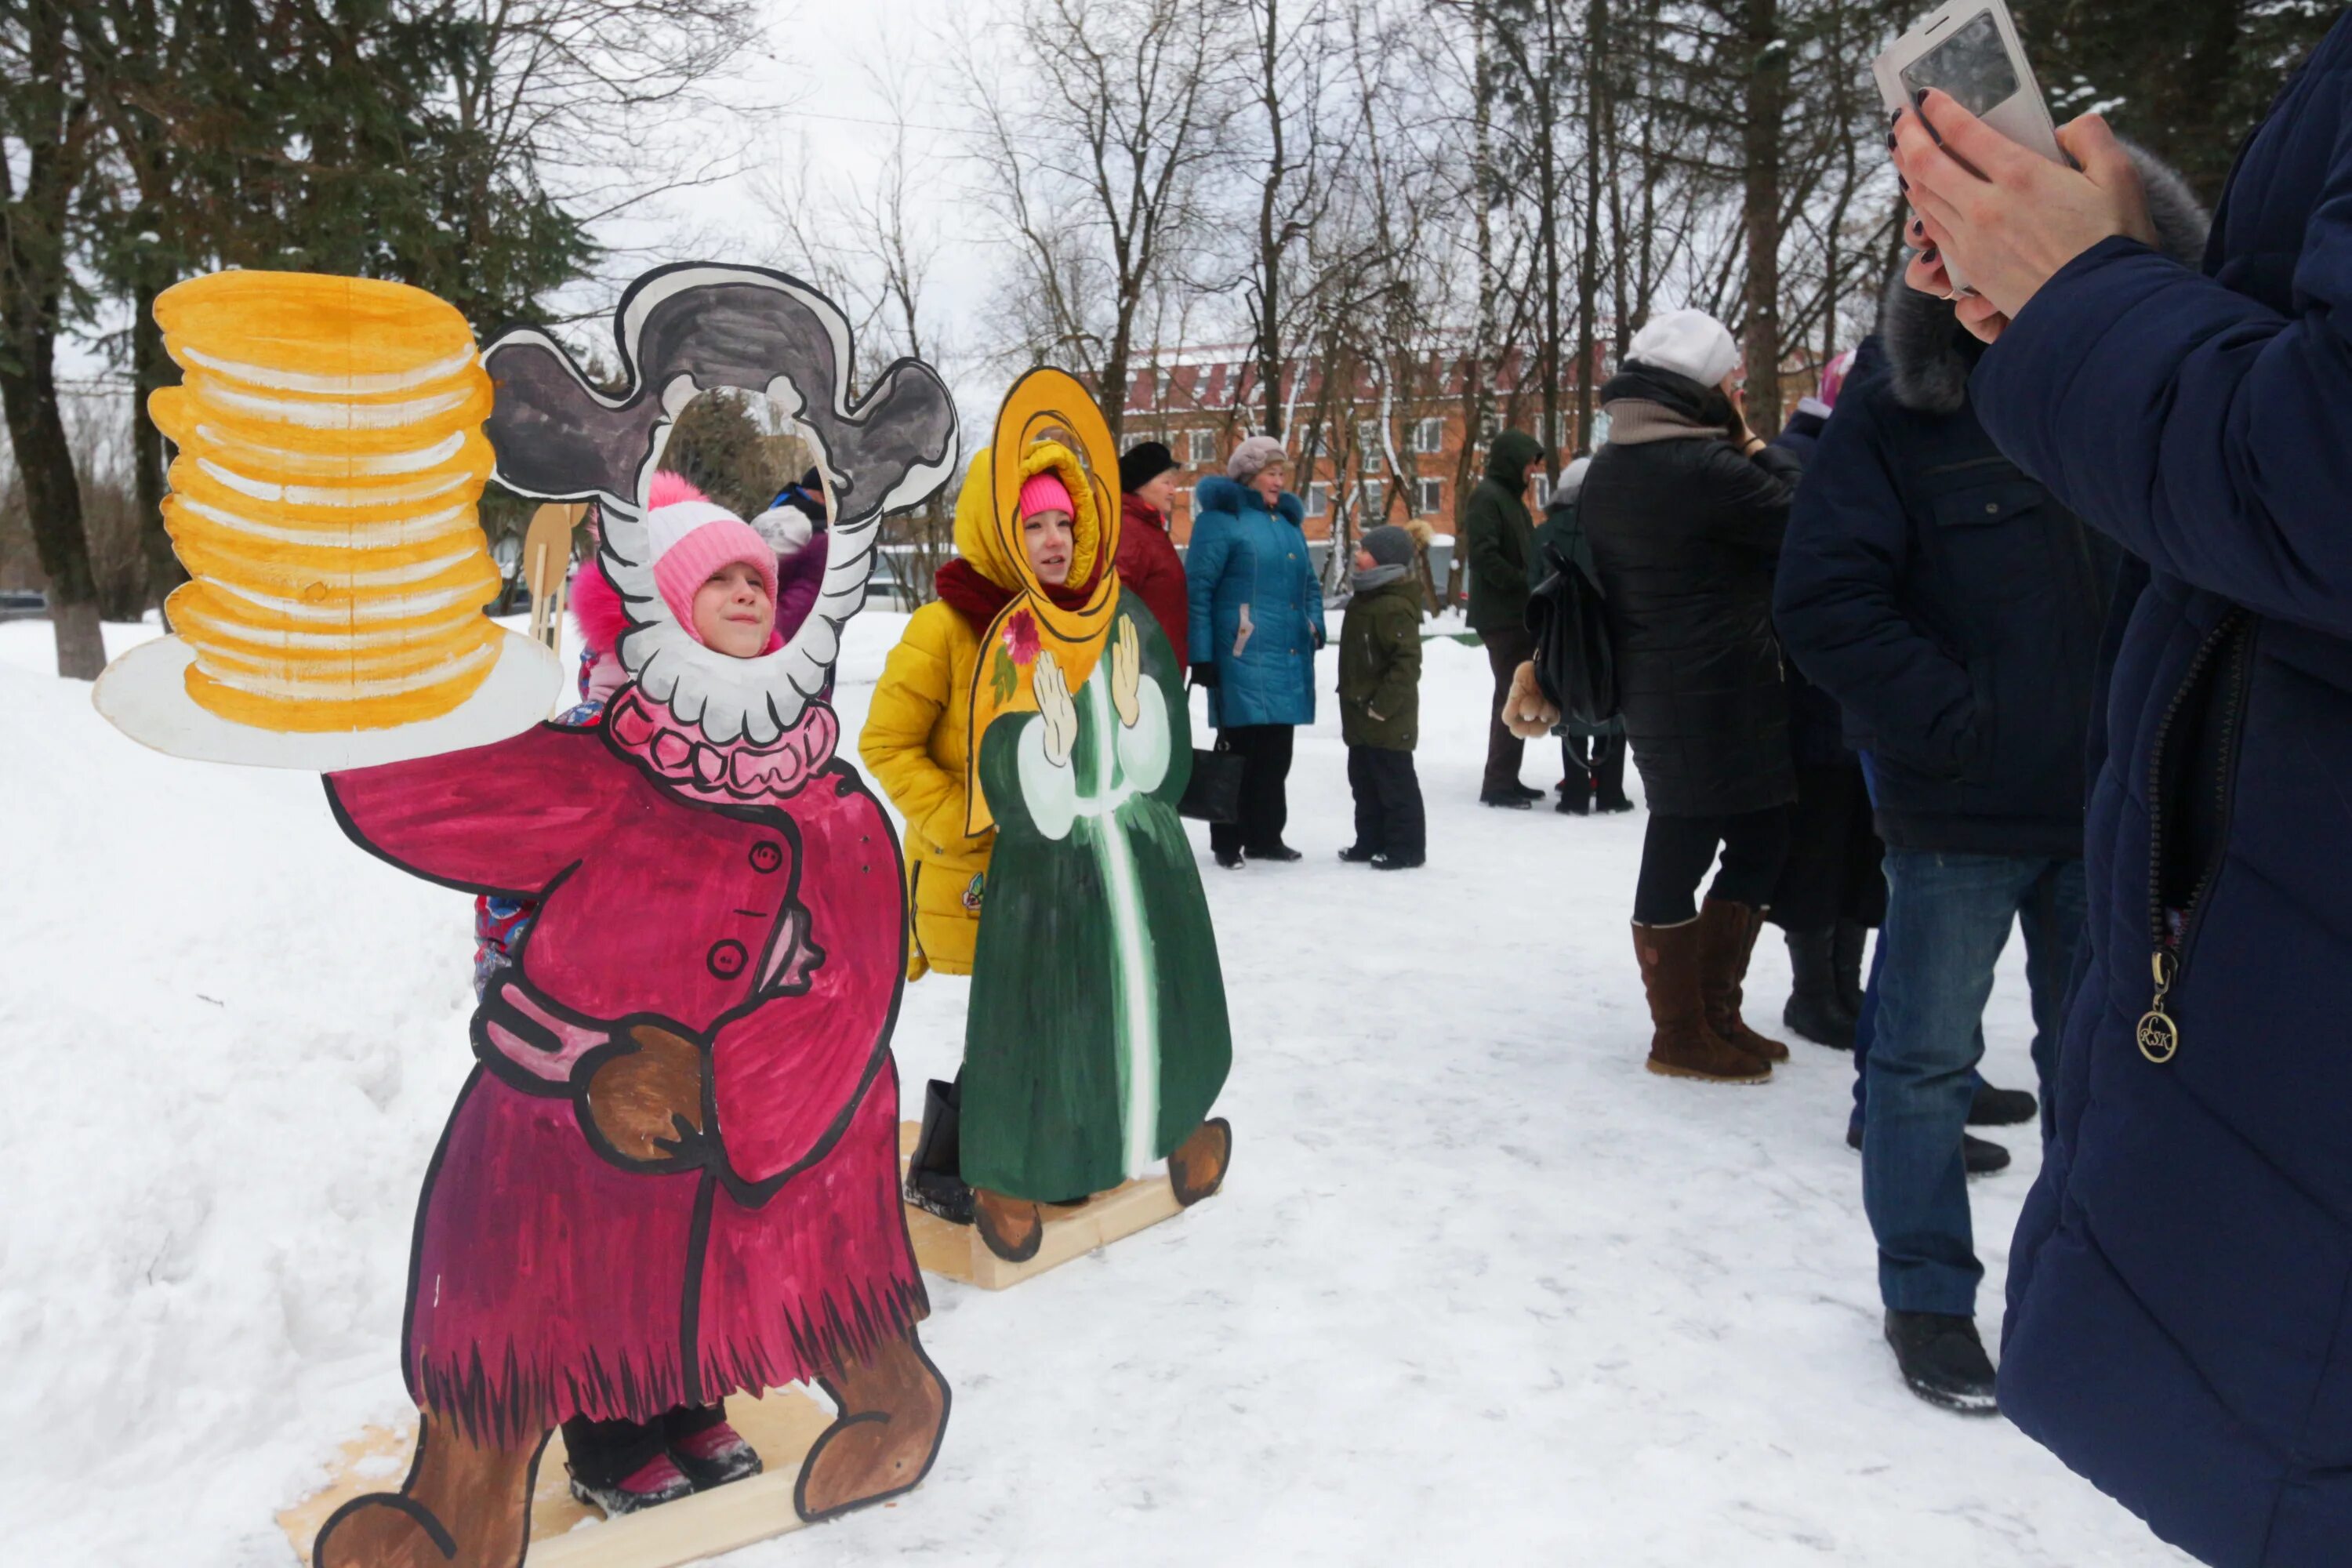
1097, 1039
673, 1175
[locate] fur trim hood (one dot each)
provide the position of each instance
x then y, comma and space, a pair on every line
1929, 354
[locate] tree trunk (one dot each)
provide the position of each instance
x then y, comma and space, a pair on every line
34, 268
1588, 264
1269, 238
1768, 87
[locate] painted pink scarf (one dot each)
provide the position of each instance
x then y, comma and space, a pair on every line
734, 773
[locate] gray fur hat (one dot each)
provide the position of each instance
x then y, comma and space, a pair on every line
1253, 457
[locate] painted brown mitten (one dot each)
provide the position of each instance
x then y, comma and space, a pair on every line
643, 1105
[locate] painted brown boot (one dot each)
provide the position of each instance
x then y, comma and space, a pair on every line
893, 1413
1682, 1045
463, 1506
1197, 1169
1727, 935
1014, 1228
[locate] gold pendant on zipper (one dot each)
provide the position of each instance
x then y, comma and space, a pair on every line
2159, 1037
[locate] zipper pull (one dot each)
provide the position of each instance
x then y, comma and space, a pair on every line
2159, 1037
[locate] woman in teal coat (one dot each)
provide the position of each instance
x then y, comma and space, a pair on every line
1256, 623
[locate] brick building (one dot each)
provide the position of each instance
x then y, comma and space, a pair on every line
1364, 464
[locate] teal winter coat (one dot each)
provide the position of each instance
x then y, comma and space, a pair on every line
1249, 568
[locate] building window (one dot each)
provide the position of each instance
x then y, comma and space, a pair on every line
1367, 504
1543, 491
1318, 498
1429, 497
1369, 442
1131, 440
1202, 448
1429, 437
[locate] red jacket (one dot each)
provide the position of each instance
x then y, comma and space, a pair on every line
1148, 563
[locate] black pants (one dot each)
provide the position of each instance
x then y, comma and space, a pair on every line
1265, 752
1506, 651
1389, 816
1598, 762
1677, 850
1831, 873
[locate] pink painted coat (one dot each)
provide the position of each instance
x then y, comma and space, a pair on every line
748, 900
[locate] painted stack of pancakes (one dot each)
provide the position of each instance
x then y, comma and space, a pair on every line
330, 453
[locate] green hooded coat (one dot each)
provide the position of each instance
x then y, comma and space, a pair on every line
1379, 667
1498, 536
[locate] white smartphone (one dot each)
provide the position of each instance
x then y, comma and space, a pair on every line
1968, 49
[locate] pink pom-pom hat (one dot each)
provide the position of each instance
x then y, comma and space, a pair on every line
694, 538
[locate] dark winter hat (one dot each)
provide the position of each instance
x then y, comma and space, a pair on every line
806, 495
1388, 546
1142, 463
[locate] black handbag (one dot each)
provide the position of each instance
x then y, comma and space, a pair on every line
1213, 793
1574, 663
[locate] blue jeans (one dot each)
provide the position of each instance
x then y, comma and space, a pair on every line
1947, 919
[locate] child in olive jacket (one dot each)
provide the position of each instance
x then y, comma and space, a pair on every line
1380, 702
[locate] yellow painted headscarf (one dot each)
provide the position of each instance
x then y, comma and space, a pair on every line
1049, 422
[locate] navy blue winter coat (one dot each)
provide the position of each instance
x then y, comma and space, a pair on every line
2180, 1324
1947, 601
1816, 725
1243, 558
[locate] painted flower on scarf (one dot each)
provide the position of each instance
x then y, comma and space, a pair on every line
1021, 638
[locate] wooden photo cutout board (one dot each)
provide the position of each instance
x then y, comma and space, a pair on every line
329, 456
567, 1533
547, 564
685, 1065
1097, 1039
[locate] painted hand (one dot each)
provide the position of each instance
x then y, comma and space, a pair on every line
2012, 218
643, 1105
1055, 708
1126, 672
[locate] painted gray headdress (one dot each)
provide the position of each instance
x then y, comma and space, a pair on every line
688, 329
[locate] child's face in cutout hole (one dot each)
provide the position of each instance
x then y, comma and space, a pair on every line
1046, 539
733, 612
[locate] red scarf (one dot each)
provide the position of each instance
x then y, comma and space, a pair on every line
977, 600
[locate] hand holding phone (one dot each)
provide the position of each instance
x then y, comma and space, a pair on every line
1969, 51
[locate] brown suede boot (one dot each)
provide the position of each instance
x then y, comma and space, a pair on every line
1683, 1046
1727, 935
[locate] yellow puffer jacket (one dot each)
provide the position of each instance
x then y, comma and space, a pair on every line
913, 745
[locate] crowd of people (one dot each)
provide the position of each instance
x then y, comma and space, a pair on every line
2034, 615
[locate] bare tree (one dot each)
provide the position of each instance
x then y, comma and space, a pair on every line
1095, 153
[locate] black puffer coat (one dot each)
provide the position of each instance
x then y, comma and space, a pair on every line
1685, 533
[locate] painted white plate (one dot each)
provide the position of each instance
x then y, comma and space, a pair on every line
144, 694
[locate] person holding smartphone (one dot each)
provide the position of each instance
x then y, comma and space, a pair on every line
2180, 1325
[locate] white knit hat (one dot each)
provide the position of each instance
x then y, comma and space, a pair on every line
1687, 342
1253, 457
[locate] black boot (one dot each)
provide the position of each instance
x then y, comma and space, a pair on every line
935, 1175
1943, 1360
1845, 963
1978, 1156
1812, 1010
2000, 1106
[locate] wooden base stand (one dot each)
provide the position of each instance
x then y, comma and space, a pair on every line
957, 1251
567, 1533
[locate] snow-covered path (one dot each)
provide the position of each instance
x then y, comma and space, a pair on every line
1480, 1290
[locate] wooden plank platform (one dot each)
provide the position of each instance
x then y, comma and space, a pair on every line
957, 1251
566, 1533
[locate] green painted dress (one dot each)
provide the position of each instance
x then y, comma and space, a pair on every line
1097, 1038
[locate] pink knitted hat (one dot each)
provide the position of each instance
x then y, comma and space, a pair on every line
1046, 492
693, 538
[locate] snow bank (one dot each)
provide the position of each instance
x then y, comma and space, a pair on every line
1481, 1290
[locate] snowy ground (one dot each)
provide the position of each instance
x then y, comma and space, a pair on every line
1480, 1290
